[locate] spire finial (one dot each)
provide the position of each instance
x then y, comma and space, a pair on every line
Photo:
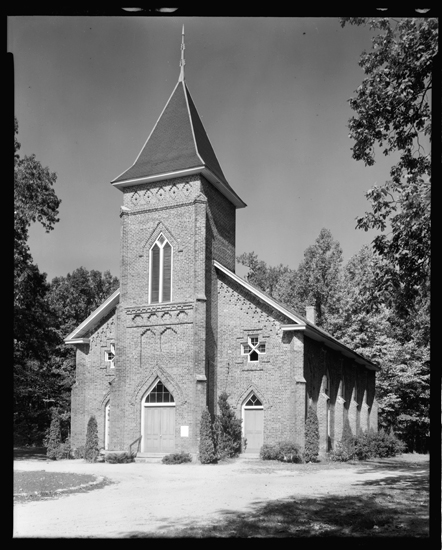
182, 61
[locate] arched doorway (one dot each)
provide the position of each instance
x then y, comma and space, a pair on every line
253, 416
158, 420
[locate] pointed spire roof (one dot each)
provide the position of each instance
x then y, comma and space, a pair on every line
178, 145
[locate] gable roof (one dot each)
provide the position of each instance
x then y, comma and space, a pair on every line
299, 322
178, 145
79, 335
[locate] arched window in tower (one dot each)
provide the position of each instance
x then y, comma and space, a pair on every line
160, 271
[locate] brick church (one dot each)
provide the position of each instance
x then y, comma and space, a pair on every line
184, 327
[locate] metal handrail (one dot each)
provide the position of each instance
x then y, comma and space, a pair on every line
133, 442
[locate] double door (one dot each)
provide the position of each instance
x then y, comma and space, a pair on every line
159, 429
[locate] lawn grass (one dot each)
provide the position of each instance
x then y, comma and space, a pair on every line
39, 484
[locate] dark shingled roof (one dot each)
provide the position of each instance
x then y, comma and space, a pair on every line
177, 142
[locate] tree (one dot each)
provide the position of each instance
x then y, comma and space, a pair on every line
370, 327
207, 451
91, 450
228, 430
393, 112
318, 277
34, 201
261, 275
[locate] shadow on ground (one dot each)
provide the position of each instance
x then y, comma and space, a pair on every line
397, 509
30, 453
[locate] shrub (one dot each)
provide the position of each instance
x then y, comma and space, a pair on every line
385, 445
207, 452
340, 453
52, 440
367, 445
78, 452
228, 431
268, 452
55, 449
91, 449
119, 458
284, 451
177, 458
311, 451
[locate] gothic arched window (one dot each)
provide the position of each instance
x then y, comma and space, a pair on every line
160, 271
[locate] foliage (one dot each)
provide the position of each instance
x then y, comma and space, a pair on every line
393, 111
78, 452
311, 450
318, 276
316, 282
228, 431
34, 201
284, 451
368, 445
52, 441
119, 458
207, 452
91, 449
260, 274
177, 458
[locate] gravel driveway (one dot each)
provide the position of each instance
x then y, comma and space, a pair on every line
153, 498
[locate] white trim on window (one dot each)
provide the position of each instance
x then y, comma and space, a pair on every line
253, 348
161, 242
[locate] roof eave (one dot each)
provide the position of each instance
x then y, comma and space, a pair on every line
77, 335
204, 170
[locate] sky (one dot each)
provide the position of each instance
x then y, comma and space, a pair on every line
272, 93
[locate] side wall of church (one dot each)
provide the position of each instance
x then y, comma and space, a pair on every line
91, 390
347, 398
273, 379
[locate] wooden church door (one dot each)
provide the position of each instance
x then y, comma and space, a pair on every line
159, 421
253, 424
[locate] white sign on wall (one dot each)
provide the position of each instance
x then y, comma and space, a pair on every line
184, 431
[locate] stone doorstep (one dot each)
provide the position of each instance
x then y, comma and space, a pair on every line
157, 457
149, 457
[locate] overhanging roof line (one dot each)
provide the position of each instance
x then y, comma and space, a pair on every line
93, 318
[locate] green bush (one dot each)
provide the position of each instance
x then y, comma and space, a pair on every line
385, 445
268, 452
78, 452
119, 458
284, 451
367, 445
55, 449
91, 449
228, 431
207, 451
52, 440
177, 458
340, 454
311, 451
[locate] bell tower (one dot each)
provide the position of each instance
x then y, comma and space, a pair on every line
178, 216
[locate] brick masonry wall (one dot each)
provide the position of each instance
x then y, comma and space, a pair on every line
350, 396
91, 390
272, 379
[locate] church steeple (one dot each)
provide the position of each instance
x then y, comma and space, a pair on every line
178, 146
182, 61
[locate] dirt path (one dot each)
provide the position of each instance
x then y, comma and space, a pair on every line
151, 499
